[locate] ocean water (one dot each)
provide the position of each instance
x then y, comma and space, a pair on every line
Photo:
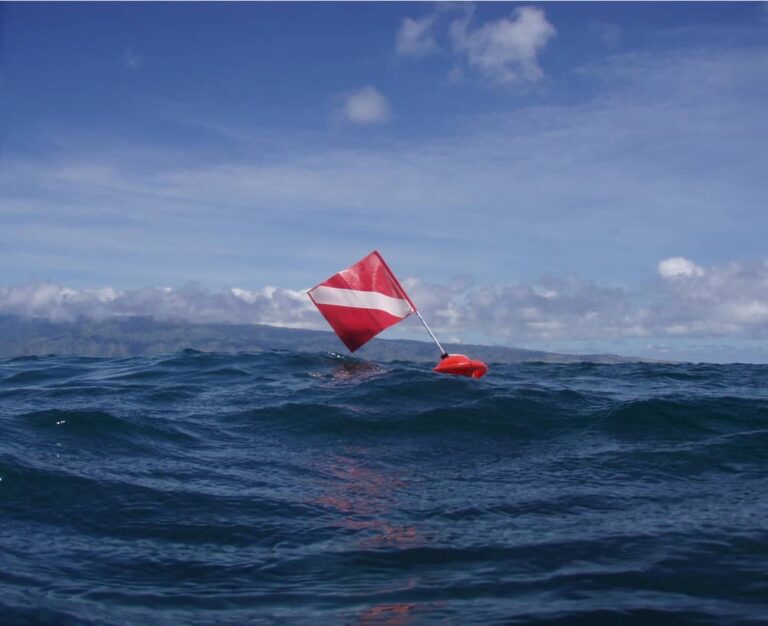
287, 488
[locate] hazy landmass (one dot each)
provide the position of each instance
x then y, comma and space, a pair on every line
143, 336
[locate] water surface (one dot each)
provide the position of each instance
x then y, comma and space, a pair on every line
281, 487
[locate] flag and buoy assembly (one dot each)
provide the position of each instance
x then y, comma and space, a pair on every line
366, 298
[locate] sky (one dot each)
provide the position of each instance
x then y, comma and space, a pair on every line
560, 176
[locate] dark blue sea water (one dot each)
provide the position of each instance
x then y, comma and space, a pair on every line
285, 488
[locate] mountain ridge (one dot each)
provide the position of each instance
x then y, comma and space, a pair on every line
146, 336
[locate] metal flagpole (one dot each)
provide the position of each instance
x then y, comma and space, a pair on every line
443, 353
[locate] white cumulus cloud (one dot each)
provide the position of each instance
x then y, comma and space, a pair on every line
678, 266
505, 50
366, 106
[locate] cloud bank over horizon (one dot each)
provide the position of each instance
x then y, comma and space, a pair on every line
683, 300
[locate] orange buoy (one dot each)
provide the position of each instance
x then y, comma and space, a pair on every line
461, 365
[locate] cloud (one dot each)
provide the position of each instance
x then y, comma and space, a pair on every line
366, 106
415, 37
270, 305
729, 300
552, 308
678, 266
506, 50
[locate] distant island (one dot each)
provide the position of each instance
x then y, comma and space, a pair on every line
144, 336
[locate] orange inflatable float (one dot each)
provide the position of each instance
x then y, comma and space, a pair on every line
461, 365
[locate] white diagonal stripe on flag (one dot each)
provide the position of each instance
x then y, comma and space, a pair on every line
361, 300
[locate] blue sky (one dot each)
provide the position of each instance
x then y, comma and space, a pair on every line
527, 168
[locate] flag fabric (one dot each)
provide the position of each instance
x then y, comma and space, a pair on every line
361, 301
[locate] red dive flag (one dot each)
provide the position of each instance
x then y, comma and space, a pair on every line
361, 301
